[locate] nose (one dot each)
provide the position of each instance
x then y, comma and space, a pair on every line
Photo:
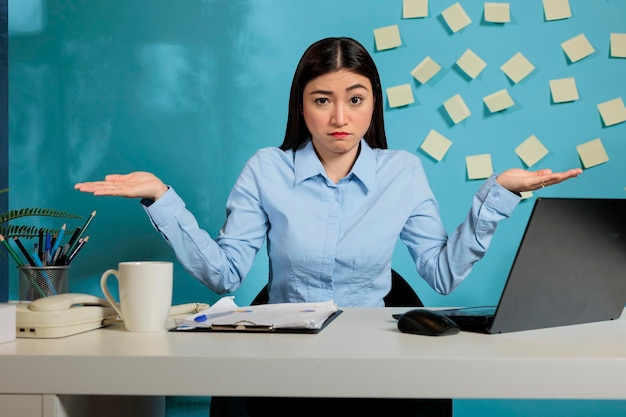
339, 117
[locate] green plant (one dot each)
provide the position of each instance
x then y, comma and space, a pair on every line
29, 231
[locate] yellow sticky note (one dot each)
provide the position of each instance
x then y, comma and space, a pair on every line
455, 17
471, 63
478, 166
498, 101
414, 8
618, 45
556, 9
497, 12
563, 90
387, 37
592, 153
526, 194
517, 68
436, 145
612, 111
425, 70
400, 95
531, 151
577, 47
456, 108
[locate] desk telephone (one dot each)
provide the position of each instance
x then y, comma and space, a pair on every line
67, 314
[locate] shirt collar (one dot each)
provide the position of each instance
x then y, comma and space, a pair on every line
308, 165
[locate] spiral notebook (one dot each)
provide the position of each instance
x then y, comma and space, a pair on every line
570, 268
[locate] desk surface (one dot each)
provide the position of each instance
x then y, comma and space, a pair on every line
360, 354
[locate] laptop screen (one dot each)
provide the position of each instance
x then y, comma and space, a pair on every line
570, 266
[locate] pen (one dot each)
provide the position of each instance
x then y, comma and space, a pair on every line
205, 317
16, 258
57, 242
82, 231
19, 244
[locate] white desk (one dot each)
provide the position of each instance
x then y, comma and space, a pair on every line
360, 354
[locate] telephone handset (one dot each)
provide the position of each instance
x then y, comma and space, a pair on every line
67, 314
66, 301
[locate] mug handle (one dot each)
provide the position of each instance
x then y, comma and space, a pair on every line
107, 293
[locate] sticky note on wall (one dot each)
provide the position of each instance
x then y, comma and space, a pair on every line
531, 151
618, 45
498, 101
563, 90
471, 63
400, 95
556, 9
414, 8
478, 166
517, 68
455, 17
425, 70
577, 48
387, 37
436, 145
612, 111
497, 12
592, 153
456, 108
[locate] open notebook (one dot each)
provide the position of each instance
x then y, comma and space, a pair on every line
225, 315
570, 268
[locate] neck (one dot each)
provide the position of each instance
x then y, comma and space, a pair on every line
338, 165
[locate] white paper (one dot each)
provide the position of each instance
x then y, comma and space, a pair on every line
276, 316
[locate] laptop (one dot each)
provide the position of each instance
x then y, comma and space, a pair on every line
570, 268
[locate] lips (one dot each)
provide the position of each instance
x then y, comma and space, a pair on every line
339, 135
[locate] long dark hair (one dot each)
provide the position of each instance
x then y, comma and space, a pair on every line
324, 56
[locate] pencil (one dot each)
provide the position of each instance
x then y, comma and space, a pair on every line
41, 244
82, 231
78, 248
57, 241
74, 238
16, 258
18, 242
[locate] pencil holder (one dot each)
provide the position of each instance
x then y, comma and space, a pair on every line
37, 282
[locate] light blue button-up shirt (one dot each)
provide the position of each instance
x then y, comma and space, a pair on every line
330, 241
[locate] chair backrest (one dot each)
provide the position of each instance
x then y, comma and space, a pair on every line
400, 295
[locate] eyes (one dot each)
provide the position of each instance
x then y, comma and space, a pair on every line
355, 100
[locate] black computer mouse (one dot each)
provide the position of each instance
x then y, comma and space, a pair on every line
426, 322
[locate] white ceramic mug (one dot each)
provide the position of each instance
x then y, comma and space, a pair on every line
145, 292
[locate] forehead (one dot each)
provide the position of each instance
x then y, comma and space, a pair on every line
338, 81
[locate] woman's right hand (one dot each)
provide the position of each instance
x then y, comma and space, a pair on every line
134, 185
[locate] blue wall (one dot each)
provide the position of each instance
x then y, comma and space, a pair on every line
190, 89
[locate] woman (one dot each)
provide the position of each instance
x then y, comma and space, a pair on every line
332, 201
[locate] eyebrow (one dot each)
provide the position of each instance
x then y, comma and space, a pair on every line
328, 93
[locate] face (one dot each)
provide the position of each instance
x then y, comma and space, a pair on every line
337, 109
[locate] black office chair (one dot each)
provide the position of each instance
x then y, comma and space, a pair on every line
400, 295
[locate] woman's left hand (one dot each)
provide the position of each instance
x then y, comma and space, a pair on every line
518, 180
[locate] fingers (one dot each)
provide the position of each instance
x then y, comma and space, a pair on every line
556, 178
